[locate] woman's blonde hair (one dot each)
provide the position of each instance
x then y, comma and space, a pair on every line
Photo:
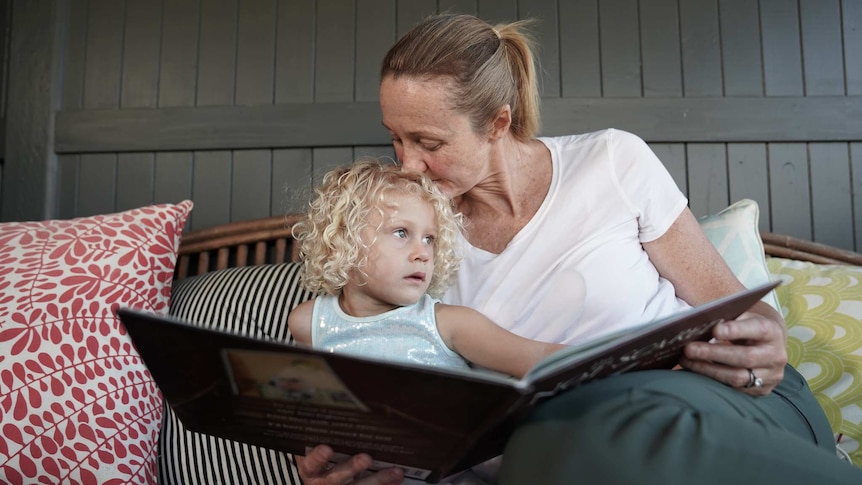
490, 67
330, 236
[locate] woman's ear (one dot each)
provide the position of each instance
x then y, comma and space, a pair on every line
502, 122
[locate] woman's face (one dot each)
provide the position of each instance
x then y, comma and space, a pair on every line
429, 136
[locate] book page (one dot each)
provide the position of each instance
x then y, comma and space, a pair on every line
657, 344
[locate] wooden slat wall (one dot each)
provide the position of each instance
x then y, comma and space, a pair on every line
191, 54
5, 20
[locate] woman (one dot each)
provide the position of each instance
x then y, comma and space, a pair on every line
460, 100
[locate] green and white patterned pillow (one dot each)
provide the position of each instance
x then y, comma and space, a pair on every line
822, 305
735, 234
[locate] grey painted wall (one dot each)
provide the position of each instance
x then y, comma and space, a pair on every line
241, 104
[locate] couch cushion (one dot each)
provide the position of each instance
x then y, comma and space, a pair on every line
77, 403
252, 301
823, 310
735, 234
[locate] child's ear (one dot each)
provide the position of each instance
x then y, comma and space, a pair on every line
502, 122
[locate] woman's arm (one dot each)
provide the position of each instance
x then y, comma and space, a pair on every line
756, 340
488, 345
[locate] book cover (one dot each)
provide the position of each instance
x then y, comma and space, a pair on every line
430, 421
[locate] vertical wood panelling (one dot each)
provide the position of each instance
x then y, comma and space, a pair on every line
251, 184
141, 54
856, 168
546, 33
174, 171
740, 32
96, 189
75, 54
852, 29
672, 155
660, 54
499, 11
375, 33
701, 57
138, 88
67, 186
291, 180
333, 62
173, 177
789, 188
104, 44
294, 51
748, 177
102, 68
5, 32
831, 200
145, 53
325, 159
72, 98
707, 178
782, 59
211, 189
409, 12
134, 180
620, 48
458, 6
255, 52
179, 54
580, 66
217, 69
821, 47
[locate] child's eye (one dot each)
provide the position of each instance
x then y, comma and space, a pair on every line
400, 233
429, 240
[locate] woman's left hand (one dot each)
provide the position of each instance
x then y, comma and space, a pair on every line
748, 349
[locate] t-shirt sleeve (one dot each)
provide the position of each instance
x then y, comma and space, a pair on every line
645, 184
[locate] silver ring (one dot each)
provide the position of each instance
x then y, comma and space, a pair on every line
753, 380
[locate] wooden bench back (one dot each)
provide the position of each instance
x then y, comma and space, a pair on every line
236, 244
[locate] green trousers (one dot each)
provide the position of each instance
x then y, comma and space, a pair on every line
676, 427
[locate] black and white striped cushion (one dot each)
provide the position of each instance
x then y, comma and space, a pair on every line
254, 301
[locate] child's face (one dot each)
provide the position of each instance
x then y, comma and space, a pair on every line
401, 258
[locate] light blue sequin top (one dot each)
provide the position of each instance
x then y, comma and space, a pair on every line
405, 334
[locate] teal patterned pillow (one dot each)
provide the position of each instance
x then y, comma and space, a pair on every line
735, 234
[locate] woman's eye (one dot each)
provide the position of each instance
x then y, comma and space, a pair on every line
432, 147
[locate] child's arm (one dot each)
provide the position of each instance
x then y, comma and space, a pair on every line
486, 344
299, 322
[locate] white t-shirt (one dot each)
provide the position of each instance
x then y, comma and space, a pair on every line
578, 270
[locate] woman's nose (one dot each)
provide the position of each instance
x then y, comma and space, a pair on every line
411, 161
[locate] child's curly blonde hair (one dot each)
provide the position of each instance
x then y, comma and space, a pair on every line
330, 236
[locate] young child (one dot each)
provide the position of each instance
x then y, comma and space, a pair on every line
380, 243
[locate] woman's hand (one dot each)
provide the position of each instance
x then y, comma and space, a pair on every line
314, 469
752, 343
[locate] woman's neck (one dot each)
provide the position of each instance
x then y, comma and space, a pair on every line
501, 205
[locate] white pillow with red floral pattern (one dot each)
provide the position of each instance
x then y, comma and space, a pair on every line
76, 402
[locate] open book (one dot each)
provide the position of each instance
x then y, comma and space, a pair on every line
430, 421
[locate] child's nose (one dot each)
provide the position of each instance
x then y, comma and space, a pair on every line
421, 251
